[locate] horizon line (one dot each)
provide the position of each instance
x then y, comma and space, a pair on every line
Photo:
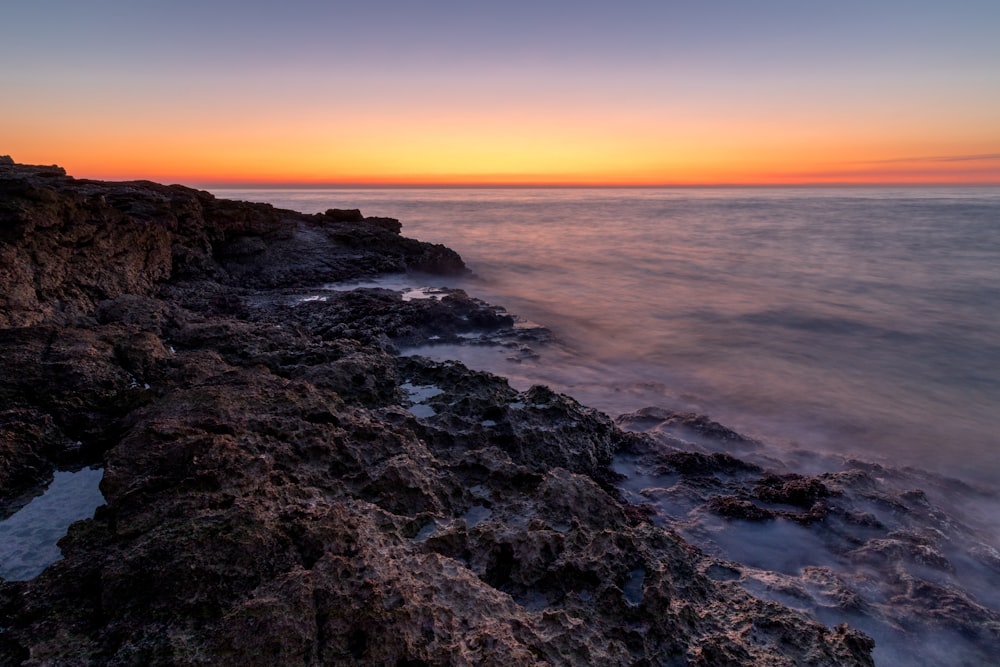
367, 185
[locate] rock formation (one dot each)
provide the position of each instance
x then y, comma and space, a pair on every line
283, 488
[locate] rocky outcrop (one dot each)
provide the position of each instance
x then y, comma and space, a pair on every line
70, 244
283, 488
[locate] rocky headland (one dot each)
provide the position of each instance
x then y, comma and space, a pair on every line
282, 487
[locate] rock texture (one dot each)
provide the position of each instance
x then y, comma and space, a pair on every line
283, 488
906, 555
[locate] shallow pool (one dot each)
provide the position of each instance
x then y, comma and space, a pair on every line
28, 537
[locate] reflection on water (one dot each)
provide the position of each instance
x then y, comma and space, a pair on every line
28, 537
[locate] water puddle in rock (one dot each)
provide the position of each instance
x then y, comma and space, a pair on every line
419, 395
425, 532
416, 293
28, 537
422, 411
633, 587
476, 515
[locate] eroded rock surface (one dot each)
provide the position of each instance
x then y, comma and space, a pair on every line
283, 488
859, 543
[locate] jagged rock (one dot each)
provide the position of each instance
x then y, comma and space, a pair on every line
69, 244
732, 507
344, 214
683, 424
696, 463
30, 442
794, 490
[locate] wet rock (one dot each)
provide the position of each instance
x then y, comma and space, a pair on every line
689, 420
898, 552
685, 425
372, 315
696, 463
732, 507
794, 490
902, 547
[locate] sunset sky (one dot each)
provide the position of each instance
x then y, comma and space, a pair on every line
715, 91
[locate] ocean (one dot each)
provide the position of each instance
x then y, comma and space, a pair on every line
860, 321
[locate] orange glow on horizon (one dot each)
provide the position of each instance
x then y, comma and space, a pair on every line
165, 167
529, 150
917, 173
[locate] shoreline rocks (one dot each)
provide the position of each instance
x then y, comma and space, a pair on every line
282, 488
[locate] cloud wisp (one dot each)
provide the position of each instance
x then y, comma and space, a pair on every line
982, 157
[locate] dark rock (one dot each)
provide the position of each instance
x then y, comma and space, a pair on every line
682, 423
794, 490
696, 463
70, 244
732, 507
344, 214
29, 443
389, 224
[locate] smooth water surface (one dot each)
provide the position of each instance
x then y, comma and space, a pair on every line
864, 321
28, 537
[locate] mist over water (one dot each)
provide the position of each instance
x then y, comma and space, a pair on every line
859, 321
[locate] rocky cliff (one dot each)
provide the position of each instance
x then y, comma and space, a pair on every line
273, 494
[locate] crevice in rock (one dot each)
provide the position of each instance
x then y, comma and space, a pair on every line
500, 566
320, 619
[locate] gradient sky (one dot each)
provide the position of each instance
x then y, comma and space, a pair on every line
714, 91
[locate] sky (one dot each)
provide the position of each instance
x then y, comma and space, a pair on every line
541, 92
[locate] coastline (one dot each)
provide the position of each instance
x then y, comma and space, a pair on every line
282, 486
734, 304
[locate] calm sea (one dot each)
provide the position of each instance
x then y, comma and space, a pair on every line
860, 321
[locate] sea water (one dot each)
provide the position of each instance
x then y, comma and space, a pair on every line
863, 321
29, 537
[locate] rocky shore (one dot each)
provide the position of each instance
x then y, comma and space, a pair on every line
283, 487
